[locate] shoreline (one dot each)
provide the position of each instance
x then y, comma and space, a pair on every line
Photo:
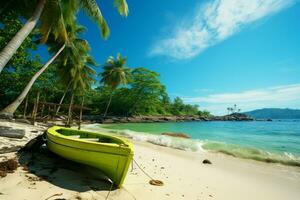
183, 173
167, 118
183, 141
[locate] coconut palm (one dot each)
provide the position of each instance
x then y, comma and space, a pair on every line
228, 110
115, 73
77, 76
82, 77
57, 46
76, 73
50, 13
60, 41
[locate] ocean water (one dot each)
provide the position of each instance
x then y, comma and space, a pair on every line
275, 142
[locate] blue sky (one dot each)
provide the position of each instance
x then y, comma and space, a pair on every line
212, 53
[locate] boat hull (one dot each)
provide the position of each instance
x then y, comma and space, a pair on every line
113, 159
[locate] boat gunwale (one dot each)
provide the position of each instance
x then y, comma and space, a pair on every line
117, 154
53, 133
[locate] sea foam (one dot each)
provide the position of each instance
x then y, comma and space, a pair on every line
164, 140
196, 145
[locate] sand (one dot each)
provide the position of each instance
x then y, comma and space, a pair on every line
42, 175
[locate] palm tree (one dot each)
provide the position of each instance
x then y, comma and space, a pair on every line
50, 12
10, 49
76, 73
59, 42
80, 74
115, 73
234, 108
11, 108
230, 110
82, 77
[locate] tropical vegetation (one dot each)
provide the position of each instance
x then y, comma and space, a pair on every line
70, 73
114, 73
58, 20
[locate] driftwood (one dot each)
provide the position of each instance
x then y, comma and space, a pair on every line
9, 149
11, 133
54, 195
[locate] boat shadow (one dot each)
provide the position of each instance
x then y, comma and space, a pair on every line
47, 166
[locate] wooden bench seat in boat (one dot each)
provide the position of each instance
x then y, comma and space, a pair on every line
86, 139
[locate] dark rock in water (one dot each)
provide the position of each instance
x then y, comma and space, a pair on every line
180, 135
123, 120
234, 117
150, 119
108, 121
12, 133
205, 161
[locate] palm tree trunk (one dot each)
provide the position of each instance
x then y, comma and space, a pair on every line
108, 104
69, 122
25, 108
13, 45
80, 115
62, 98
35, 108
11, 108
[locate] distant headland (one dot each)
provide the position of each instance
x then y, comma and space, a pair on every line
274, 113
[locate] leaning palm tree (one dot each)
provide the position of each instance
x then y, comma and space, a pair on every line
77, 71
115, 73
50, 12
60, 41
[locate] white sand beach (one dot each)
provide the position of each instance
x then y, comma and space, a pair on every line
43, 175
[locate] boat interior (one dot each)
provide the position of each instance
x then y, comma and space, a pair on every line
89, 136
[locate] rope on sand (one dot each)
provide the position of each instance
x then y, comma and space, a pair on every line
116, 170
54, 195
152, 180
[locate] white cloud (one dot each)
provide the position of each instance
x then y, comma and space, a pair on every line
279, 96
214, 22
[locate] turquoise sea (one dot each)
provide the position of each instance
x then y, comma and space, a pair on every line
275, 142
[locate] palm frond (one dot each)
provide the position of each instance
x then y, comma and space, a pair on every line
50, 15
92, 9
122, 7
53, 22
115, 72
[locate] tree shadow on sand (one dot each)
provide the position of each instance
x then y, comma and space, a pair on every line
63, 173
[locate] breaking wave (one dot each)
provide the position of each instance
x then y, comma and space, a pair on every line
195, 145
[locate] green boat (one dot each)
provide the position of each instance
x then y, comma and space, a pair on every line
112, 155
